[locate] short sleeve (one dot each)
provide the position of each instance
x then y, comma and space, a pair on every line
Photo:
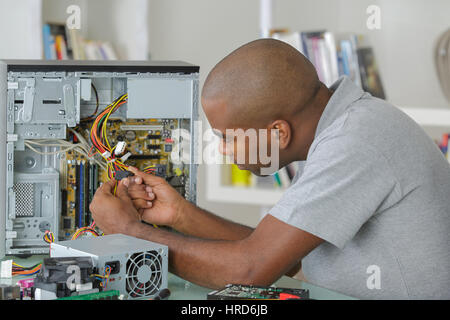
344, 182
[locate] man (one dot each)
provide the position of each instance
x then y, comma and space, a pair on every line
368, 214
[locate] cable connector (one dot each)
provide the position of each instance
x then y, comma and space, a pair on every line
122, 174
125, 156
6, 269
120, 148
106, 154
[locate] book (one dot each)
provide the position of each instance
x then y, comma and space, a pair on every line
241, 178
77, 43
49, 43
62, 43
319, 47
61, 48
346, 45
336, 55
370, 77
55, 41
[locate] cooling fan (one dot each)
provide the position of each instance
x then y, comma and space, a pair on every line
144, 274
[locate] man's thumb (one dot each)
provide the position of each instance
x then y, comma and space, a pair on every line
122, 191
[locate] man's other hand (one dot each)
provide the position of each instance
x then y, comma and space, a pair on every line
157, 201
114, 213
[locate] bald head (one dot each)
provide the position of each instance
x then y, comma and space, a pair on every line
259, 82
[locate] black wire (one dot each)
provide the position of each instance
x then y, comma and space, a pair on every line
91, 117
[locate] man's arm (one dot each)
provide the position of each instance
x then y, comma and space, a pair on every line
267, 253
170, 208
200, 223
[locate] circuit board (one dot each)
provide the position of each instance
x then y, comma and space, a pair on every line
244, 292
104, 295
150, 143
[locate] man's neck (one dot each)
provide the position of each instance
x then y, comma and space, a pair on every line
307, 124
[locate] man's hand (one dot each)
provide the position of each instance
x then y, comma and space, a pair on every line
114, 214
157, 201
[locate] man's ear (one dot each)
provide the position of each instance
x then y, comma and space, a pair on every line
284, 132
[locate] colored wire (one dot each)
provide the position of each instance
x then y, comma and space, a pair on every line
49, 237
84, 230
103, 278
18, 270
99, 137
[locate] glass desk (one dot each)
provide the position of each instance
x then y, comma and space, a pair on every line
184, 290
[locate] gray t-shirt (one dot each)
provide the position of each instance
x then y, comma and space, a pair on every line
376, 188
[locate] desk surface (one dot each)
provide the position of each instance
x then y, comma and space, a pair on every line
184, 290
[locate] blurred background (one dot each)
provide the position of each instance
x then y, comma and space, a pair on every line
397, 49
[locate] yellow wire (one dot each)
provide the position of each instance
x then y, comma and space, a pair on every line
125, 96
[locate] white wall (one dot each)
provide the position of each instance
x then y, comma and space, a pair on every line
20, 29
123, 23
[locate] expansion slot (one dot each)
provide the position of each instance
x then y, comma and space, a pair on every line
139, 127
80, 191
77, 194
86, 180
64, 202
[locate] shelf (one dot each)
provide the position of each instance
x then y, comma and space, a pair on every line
216, 191
243, 195
429, 117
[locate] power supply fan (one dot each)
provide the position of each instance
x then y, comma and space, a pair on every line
144, 274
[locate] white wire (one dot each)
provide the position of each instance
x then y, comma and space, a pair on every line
65, 147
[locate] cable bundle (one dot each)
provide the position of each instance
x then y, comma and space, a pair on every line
89, 229
49, 237
149, 169
18, 270
104, 278
100, 141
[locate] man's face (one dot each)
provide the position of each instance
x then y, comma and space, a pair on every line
249, 147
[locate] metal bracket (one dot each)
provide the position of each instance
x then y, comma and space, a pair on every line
11, 137
69, 105
28, 99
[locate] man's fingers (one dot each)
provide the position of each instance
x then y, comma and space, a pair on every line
139, 191
142, 204
149, 179
122, 191
107, 187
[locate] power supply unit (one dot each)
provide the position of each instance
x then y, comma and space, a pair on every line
138, 268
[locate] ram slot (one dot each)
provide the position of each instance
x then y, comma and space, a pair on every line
95, 180
81, 192
88, 194
77, 194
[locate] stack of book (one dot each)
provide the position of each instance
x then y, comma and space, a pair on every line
61, 43
336, 55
